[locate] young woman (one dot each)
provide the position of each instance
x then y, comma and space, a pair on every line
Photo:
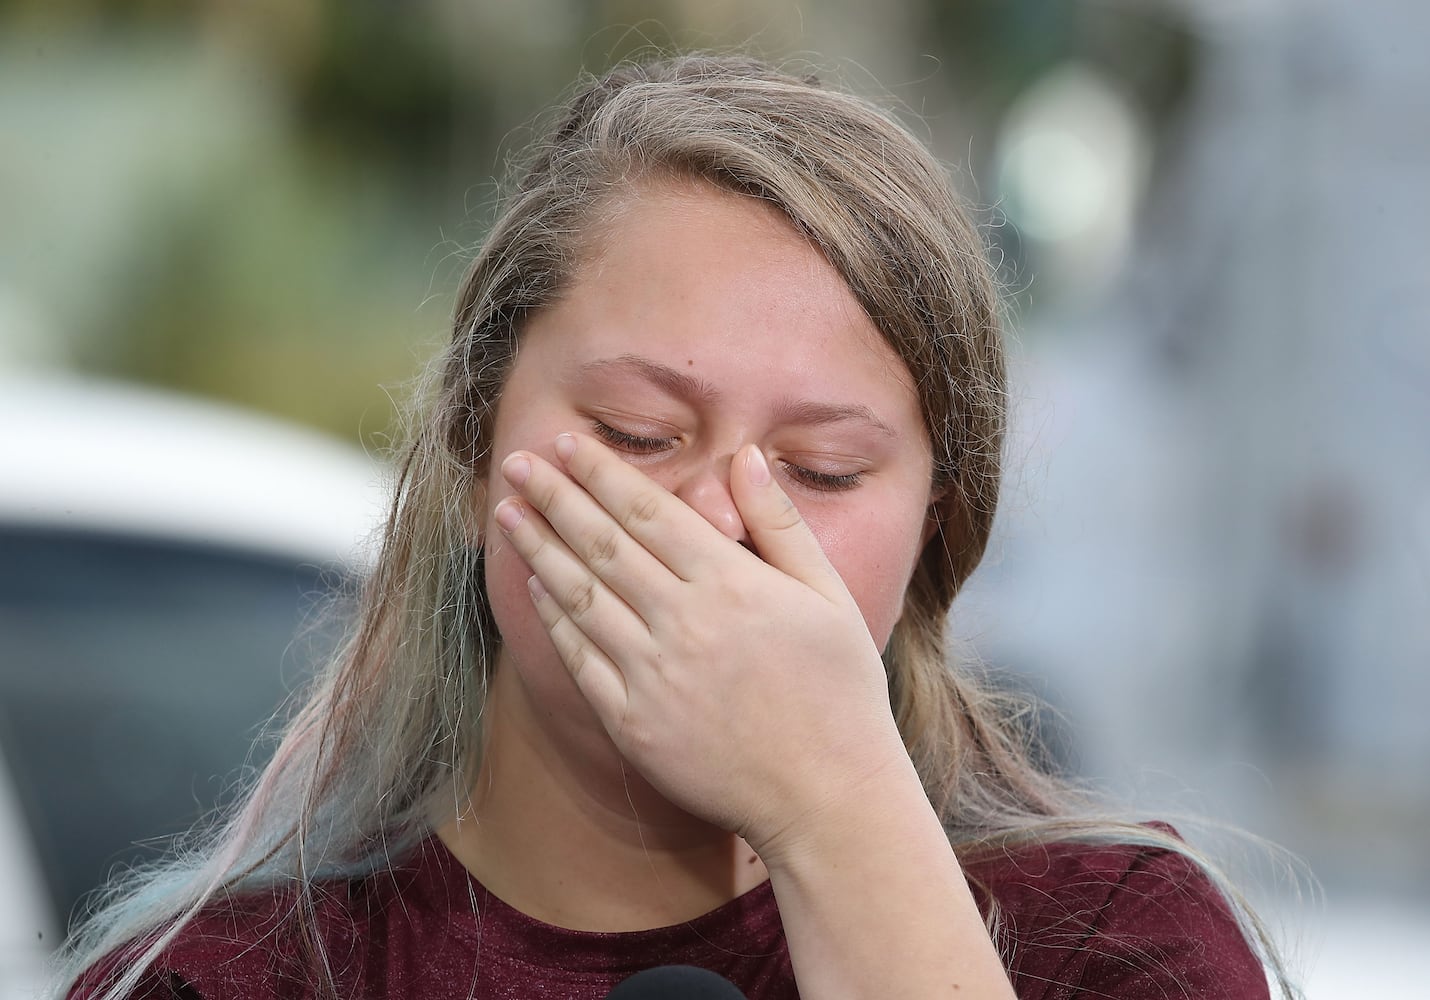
652, 669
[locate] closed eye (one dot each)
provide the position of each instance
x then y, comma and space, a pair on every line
632, 442
824, 482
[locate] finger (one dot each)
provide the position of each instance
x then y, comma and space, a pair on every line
596, 674
781, 536
665, 527
588, 530
601, 615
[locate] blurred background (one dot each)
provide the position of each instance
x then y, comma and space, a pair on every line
1211, 215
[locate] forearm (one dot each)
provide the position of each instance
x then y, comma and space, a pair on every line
874, 903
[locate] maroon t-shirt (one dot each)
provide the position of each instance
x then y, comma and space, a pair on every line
1075, 921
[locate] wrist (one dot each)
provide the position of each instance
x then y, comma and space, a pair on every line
882, 804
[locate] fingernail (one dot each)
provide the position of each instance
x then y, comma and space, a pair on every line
533, 585
565, 446
757, 468
508, 514
516, 469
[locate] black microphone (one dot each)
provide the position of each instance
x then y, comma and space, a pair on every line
676, 982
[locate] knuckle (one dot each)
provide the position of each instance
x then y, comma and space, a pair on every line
546, 498
576, 659
787, 516
637, 738
642, 510
602, 549
589, 473
581, 598
729, 594
536, 550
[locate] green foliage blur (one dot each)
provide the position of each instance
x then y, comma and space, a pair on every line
271, 202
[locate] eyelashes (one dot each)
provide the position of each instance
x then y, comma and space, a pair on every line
631, 442
822, 482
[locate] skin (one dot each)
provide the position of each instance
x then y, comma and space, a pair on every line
713, 488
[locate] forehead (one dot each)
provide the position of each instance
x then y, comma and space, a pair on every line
720, 283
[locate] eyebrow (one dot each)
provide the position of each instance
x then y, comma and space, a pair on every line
809, 413
677, 383
806, 412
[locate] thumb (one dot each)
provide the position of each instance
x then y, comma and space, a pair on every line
779, 533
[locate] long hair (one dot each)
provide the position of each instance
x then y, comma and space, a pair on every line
390, 736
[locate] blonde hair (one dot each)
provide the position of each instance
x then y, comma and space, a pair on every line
390, 736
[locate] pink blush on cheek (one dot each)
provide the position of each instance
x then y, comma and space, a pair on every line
526, 646
875, 558
506, 575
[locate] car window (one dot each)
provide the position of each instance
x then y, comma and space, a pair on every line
134, 675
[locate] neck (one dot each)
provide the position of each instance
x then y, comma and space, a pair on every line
569, 836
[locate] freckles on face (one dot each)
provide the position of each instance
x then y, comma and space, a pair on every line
523, 423
874, 552
707, 323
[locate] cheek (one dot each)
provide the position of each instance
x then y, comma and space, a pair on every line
522, 633
875, 557
506, 573
526, 648
506, 577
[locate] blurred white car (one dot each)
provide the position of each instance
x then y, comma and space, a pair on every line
161, 561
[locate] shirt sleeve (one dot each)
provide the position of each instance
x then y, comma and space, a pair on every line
216, 956
1115, 922
155, 984
1166, 931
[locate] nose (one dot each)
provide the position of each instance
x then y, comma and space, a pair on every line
705, 488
